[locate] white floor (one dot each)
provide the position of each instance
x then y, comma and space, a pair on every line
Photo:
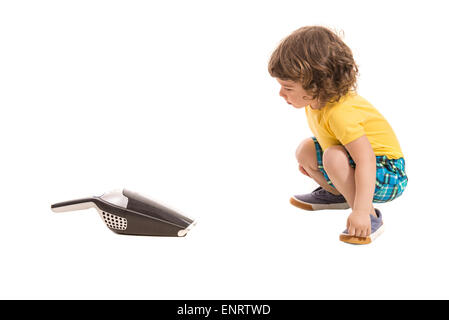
181, 108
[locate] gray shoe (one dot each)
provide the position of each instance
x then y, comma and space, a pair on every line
319, 199
377, 228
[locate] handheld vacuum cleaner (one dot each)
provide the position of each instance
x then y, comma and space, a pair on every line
127, 212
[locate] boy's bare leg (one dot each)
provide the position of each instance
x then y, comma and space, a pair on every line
308, 164
319, 178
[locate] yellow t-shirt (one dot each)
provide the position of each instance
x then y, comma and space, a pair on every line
341, 122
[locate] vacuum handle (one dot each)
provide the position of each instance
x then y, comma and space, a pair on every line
72, 205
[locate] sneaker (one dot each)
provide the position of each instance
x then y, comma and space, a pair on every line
319, 199
377, 228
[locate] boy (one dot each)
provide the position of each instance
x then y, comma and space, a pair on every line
354, 155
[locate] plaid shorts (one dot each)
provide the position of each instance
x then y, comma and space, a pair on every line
391, 178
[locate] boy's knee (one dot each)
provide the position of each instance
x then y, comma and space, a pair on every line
334, 158
306, 154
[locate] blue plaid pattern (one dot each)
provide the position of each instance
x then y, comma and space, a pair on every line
391, 178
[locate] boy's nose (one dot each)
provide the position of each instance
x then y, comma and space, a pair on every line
282, 94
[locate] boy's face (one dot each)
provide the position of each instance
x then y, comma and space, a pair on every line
294, 94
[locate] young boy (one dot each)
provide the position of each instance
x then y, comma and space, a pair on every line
354, 155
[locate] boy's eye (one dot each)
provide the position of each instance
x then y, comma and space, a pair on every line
286, 89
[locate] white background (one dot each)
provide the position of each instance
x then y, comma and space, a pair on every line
173, 99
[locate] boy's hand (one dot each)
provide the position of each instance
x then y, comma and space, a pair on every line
359, 224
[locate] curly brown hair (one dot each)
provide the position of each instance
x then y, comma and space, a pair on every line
317, 58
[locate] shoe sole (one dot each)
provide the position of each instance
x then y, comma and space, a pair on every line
318, 206
361, 240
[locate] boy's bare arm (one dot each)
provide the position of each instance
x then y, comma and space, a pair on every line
365, 173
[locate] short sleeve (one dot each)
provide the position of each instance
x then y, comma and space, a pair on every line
347, 124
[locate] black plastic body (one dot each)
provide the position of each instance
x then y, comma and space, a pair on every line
144, 217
